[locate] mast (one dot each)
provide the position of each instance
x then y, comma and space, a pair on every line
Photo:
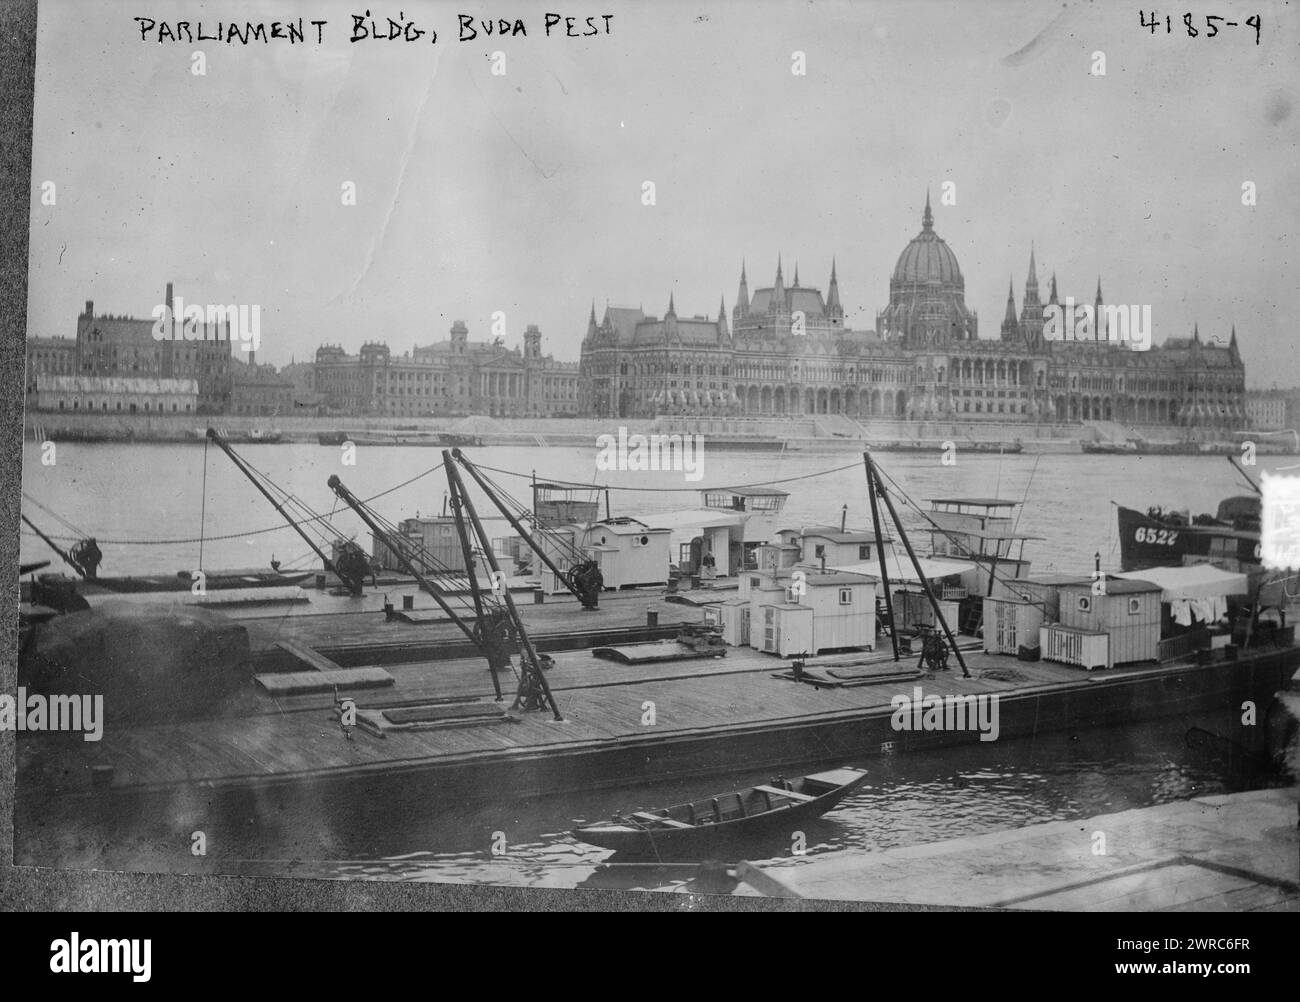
880, 554
484, 624
1237, 466
916, 564
533, 688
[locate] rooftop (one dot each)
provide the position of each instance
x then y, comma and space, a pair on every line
976, 502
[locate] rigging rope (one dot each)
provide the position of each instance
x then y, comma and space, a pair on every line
79, 534
952, 534
676, 490
203, 500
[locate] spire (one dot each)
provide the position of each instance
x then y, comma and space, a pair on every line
1031, 309
796, 276
1099, 288
672, 311
927, 218
833, 293
778, 289
722, 319
742, 296
1010, 318
1052, 296
1196, 333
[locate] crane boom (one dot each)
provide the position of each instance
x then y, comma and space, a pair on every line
348, 498
569, 578
351, 580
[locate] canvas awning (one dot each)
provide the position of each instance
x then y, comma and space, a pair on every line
691, 520
903, 571
1190, 582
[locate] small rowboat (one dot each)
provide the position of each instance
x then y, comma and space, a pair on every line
699, 825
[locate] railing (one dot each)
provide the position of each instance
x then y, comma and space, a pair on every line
952, 593
1074, 647
1174, 648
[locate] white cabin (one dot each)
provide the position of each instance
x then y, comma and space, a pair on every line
826, 545
801, 611
628, 552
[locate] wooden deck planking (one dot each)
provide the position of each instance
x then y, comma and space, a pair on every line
602, 705
344, 628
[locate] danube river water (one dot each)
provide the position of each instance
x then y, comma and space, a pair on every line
167, 507
149, 505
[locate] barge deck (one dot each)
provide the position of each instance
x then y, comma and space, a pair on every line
623, 724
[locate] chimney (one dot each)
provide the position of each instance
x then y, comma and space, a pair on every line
844, 517
168, 300
90, 308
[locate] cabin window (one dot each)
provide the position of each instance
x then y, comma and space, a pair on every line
1085, 603
819, 551
864, 552
1134, 606
755, 582
846, 596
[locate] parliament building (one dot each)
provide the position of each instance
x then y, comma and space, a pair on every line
786, 351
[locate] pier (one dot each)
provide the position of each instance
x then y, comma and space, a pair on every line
1232, 853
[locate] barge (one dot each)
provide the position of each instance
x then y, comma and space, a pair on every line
216, 736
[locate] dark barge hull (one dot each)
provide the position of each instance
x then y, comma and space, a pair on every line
1146, 542
327, 813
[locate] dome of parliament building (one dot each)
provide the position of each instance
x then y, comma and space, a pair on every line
927, 259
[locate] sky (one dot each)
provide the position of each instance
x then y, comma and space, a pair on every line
523, 192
